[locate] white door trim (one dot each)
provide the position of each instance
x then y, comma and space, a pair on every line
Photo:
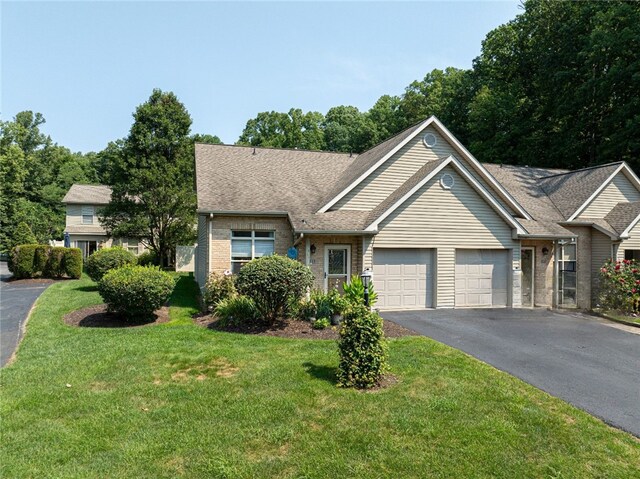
533, 273
331, 246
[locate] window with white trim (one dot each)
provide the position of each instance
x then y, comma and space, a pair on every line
567, 269
247, 245
87, 215
132, 246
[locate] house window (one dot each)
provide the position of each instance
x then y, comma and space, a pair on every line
132, 246
87, 215
567, 270
632, 254
247, 245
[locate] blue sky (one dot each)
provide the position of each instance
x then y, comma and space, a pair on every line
87, 65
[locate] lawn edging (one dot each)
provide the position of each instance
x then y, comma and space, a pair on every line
614, 319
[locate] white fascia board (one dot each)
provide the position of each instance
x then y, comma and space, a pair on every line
483, 171
600, 188
374, 226
379, 163
625, 233
474, 183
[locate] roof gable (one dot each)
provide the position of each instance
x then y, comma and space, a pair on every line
88, 194
375, 161
623, 217
621, 186
421, 178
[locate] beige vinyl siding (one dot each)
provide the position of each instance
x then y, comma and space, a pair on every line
398, 169
202, 252
445, 220
633, 242
600, 253
620, 189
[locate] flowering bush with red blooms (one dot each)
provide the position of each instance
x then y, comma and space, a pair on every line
620, 286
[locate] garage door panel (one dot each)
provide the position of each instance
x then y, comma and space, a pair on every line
481, 278
403, 278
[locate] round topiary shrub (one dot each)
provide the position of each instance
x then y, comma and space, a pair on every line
273, 281
135, 291
106, 259
147, 258
363, 352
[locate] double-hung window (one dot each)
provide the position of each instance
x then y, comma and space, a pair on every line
87, 215
247, 245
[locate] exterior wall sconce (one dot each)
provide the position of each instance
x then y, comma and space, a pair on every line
545, 251
313, 249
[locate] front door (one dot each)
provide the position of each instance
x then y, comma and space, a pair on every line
337, 266
527, 259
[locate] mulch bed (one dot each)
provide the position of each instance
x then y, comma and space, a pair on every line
294, 329
98, 317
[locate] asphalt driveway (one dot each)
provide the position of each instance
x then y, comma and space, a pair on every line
588, 364
15, 302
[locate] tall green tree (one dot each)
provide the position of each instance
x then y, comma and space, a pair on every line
151, 174
348, 130
294, 129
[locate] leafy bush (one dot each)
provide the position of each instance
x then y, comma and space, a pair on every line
620, 286
135, 290
54, 267
72, 262
218, 288
305, 310
362, 348
22, 261
41, 258
236, 310
106, 259
354, 291
148, 258
23, 235
321, 323
273, 281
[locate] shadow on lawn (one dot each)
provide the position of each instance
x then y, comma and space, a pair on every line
87, 289
325, 373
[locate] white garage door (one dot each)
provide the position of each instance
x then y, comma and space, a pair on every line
482, 278
403, 278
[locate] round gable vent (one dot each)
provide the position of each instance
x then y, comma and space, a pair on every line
430, 140
446, 181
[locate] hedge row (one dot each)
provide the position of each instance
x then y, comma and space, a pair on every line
38, 260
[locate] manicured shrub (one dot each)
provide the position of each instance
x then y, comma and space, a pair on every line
72, 262
321, 323
273, 281
620, 286
23, 235
54, 267
148, 258
40, 259
106, 259
218, 288
237, 310
22, 260
362, 348
354, 291
135, 291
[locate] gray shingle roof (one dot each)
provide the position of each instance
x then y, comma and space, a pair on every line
545, 228
622, 215
233, 178
569, 191
339, 220
88, 194
85, 229
367, 159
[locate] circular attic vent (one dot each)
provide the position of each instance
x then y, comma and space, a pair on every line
430, 140
446, 181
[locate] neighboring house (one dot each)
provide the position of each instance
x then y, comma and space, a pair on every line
438, 228
82, 223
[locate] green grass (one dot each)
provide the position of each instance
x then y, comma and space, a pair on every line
178, 400
623, 317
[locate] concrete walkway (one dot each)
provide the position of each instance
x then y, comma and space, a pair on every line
574, 357
15, 303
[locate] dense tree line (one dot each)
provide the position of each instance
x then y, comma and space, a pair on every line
558, 86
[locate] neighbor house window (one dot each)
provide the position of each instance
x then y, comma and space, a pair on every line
632, 254
247, 245
87, 215
132, 246
567, 269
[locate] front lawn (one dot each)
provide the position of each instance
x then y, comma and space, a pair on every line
179, 400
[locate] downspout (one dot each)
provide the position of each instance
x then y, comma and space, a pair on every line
209, 244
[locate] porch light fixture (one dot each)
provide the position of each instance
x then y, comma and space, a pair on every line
366, 276
313, 249
545, 251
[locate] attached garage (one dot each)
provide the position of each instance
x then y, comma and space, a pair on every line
404, 278
482, 278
